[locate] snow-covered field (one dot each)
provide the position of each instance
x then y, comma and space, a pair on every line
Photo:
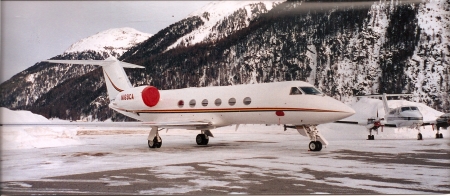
255, 159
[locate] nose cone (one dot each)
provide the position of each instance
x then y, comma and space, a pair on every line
339, 109
344, 110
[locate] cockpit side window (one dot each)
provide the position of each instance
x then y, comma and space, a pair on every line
310, 91
414, 108
295, 91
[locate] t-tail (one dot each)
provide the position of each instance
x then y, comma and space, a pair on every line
115, 77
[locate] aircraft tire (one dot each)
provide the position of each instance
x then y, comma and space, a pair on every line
319, 146
159, 144
419, 136
201, 139
440, 135
154, 143
151, 144
315, 146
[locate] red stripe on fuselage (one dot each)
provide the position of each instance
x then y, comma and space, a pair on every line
222, 110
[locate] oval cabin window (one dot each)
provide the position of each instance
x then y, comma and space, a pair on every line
247, 101
180, 103
204, 102
192, 103
232, 101
218, 102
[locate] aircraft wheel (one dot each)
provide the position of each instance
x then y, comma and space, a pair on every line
154, 143
319, 146
315, 146
201, 139
440, 135
419, 136
371, 137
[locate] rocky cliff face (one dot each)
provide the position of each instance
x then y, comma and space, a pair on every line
345, 49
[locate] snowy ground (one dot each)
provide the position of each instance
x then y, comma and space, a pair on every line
254, 160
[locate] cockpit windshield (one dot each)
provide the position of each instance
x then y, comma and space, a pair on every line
310, 91
409, 108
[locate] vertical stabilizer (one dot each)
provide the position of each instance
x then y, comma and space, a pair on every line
115, 77
385, 104
384, 98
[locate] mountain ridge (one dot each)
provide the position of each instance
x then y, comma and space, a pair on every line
344, 50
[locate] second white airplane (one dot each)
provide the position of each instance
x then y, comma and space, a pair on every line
295, 104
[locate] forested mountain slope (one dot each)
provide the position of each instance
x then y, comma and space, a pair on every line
344, 48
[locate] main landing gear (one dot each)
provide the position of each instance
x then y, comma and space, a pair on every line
154, 140
315, 146
317, 140
439, 135
203, 137
373, 125
419, 135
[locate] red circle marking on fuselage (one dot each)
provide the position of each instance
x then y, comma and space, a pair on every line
150, 96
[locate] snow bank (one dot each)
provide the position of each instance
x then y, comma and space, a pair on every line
8, 116
25, 136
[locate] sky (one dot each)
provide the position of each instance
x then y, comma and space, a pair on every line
32, 31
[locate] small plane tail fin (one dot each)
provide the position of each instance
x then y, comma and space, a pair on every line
384, 98
115, 77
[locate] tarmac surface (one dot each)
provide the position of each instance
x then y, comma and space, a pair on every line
253, 160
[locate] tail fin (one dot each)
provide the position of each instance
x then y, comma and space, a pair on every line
384, 97
115, 77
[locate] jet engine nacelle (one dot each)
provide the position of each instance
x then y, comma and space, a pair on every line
139, 97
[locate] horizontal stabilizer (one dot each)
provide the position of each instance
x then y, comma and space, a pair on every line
105, 62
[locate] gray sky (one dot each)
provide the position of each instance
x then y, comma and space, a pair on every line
33, 31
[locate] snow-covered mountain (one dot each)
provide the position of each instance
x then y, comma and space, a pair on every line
223, 18
344, 49
23, 89
115, 42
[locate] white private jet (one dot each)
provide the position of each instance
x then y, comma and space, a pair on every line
404, 116
296, 104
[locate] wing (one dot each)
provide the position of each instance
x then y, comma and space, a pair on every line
171, 125
365, 123
350, 122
